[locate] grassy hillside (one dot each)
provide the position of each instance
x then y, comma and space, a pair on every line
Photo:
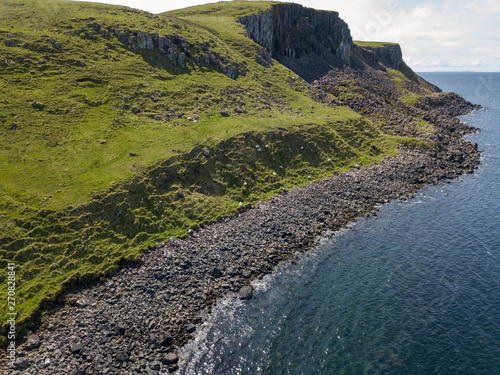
108, 148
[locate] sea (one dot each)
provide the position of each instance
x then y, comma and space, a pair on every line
413, 290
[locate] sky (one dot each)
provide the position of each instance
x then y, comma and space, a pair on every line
437, 35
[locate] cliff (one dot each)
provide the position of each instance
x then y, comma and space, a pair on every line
385, 54
310, 41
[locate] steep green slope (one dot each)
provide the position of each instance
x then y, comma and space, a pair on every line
120, 128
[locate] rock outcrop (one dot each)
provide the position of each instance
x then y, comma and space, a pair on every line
389, 55
290, 30
310, 41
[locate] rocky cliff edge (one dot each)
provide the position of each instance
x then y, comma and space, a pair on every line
310, 41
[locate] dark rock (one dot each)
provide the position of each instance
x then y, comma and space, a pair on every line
190, 328
245, 293
135, 109
37, 105
13, 126
122, 356
216, 272
173, 368
224, 113
10, 42
290, 33
161, 276
165, 339
155, 365
119, 330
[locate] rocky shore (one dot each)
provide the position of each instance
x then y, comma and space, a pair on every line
133, 322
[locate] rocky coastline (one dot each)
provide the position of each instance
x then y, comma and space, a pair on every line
134, 321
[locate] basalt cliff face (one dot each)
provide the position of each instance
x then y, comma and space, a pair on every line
390, 55
310, 41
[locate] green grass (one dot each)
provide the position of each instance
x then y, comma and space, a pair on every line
402, 77
238, 8
66, 171
360, 43
346, 90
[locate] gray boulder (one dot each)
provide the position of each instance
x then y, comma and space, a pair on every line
22, 364
75, 347
170, 358
245, 293
33, 342
82, 302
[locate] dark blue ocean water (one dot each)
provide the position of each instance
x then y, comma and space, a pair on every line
414, 291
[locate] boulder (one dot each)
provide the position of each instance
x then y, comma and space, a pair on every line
75, 347
37, 105
33, 342
119, 330
122, 356
82, 302
245, 293
22, 364
247, 274
170, 358
165, 339
216, 272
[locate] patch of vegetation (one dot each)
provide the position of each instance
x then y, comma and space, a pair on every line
360, 43
238, 8
411, 99
346, 90
410, 74
415, 143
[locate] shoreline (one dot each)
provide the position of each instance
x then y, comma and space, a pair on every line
134, 321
